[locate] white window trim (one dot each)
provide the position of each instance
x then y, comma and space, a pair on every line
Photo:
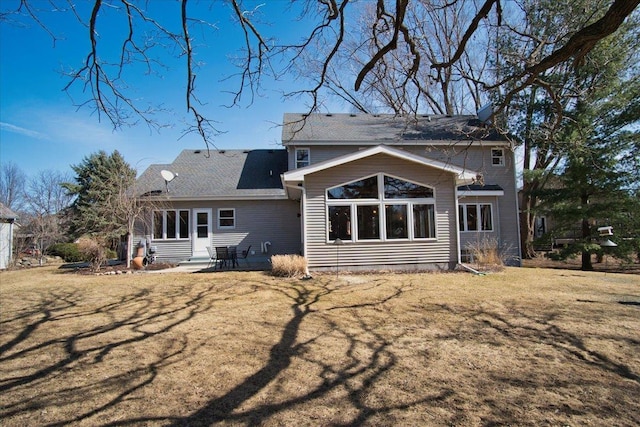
382, 202
227, 227
463, 224
164, 225
501, 157
295, 156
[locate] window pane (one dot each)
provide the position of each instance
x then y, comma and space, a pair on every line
395, 188
184, 224
485, 216
171, 224
497, 157
396, 221
363, 189
157, 224
472, 217
226, 218
368, 222
302, 158
339, 222
202, 225
424, 224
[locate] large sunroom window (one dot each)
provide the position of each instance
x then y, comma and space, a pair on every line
383, 208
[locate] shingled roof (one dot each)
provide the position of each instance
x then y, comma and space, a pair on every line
218, 174
6, 213
383, 128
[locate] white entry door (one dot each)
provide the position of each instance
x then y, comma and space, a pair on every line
202, 231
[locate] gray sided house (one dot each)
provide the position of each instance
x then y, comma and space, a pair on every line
7, 222
379, 191
219, 198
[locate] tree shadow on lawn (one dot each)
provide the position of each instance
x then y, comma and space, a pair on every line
369, 357
549, 344
127, 321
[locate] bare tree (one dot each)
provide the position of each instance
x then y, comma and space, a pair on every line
45, 202
396, 32
12, 186
538, 116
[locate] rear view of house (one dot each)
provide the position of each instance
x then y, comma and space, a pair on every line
386, 192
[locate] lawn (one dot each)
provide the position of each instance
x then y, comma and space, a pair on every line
520, 347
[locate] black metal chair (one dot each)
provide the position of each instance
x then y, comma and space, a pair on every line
212, 256
222, 256
245, 254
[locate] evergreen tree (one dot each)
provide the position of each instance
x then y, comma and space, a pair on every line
100, 182
600, 175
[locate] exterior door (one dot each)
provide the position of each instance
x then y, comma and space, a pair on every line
202, 232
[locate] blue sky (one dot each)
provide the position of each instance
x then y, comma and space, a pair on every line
41, 128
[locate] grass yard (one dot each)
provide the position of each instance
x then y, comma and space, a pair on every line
521, 347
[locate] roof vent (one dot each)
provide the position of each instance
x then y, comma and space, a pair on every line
485, 113
197, 152
329, 115
352, 115
222, 151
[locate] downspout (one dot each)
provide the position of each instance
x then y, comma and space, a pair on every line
303, 204
303, 213
457, 216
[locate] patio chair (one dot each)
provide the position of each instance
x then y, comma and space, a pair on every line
245, 254
232, 255
212, 256
222, 255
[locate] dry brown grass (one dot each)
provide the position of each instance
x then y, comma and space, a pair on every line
288, 265
521, 347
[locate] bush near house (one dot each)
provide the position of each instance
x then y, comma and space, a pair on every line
67, 251
95, 252
288, 265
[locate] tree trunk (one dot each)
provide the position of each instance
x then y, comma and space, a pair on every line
586, 236
528, 218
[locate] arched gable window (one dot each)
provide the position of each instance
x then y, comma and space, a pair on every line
381, 207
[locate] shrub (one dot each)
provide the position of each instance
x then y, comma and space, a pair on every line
288, 265
93, 251
487, 253
67, 251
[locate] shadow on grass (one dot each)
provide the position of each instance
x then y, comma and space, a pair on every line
368, 355
127, 321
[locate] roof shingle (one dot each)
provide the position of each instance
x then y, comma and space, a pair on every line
223, 173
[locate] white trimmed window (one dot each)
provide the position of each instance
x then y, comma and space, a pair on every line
170, 224
303, 157
380, 208
497, 157
226, 218
475, 217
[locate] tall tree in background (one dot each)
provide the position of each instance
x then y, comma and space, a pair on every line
544, 115
100, 181
396, 29
46, 204
12, 186
600, 177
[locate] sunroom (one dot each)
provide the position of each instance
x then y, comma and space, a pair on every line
384, 208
